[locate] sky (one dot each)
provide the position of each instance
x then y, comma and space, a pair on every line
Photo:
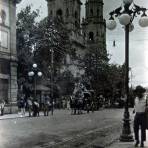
138, 43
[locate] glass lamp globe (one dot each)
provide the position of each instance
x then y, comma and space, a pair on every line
143, 21
127, 1
34, 65
39, 74
124, 19
111, 24
31, 73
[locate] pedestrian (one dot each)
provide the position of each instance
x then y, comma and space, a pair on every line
140, 116
29, 102
92, 106
36, 108
46, 105
22, 105
2, 106
68, 104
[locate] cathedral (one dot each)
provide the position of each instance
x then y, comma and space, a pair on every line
86, 34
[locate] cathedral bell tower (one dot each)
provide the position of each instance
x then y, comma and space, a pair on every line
94, 25
68, 10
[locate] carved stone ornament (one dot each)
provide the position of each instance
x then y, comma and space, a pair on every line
2, 16
16, 1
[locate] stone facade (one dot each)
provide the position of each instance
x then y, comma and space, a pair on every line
88, 34
69, 10
8, 55
93, 25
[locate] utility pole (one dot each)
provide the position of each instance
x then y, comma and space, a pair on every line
131, 78
52, 72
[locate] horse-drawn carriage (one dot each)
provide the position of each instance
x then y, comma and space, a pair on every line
82, 99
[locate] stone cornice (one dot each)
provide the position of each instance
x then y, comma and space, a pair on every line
79, 1
4, 76
16, 1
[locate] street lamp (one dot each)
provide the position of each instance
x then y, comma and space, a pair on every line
126, 15
34, 73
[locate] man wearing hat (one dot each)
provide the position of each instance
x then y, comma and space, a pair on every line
140, 118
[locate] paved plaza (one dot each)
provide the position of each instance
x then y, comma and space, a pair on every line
63, 130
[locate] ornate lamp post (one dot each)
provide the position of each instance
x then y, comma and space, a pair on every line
34, 73
126, 15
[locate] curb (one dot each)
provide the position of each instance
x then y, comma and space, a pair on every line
15, 116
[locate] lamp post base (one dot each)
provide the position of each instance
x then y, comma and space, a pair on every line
126, 135
126, 138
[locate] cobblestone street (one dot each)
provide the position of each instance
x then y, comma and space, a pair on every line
62, 130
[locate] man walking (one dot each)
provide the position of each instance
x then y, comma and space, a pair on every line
140, 118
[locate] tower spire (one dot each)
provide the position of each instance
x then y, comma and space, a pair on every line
68, 10
94, 24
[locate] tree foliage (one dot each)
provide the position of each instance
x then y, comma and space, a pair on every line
36, 40
116, 80
106, 79
26, 26
96, 67
51, 36
66, 82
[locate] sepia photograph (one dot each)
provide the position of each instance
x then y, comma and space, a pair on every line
73, 73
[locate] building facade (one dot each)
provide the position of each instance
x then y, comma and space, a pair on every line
93, 25
87, 34
8, 55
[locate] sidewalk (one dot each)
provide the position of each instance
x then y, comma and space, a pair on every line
16, 115
56, 112
126, 145
119, 144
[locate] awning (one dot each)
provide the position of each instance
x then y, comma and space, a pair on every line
42, 88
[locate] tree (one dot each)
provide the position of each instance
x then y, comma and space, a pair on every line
52, 46
96, 67
52, 36
115, 81
40, 42
66, 81
25, 30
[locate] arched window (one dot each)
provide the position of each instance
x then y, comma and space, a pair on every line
91, 12
97, 34
98, 12
76, 14
76, 24
51, 13
67, 12
59, 12
91, 36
